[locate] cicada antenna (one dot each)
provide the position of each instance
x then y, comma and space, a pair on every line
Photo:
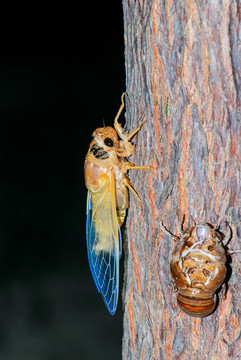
193, 220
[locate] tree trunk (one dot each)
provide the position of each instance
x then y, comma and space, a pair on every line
183, 71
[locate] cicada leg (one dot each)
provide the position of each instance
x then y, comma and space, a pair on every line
126, 165
223, 291
228, 236
164, 229
126, 148
180, 226
117, 125
127, 138
127, 184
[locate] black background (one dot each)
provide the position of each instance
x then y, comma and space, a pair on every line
61, 76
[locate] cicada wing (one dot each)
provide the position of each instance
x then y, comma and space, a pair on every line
103, 237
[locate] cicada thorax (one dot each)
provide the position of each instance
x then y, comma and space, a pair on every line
101, 160
198, 267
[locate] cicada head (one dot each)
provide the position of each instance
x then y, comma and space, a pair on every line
198, 266
104, 144
106, 137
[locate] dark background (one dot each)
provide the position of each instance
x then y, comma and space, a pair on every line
61, 75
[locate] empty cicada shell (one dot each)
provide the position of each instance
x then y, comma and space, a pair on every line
198, 267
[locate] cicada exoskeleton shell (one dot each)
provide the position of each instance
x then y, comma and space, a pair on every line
198, 267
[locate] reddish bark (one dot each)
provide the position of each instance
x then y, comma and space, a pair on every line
183, 70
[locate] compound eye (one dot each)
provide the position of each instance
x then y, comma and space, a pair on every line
189, 243
211, 247
206, 272
108, 142
191, 270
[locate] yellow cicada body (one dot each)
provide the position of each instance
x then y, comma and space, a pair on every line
107, 200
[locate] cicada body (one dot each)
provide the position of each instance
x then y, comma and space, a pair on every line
107, 200
198, 267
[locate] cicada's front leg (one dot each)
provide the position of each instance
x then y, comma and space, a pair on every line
164, 229
126, 148
117, 125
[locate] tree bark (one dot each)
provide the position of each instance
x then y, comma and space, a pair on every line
183, 71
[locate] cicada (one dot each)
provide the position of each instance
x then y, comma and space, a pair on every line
199, 267
107, 200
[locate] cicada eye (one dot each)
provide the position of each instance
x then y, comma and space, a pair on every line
191, 270
206, 272
189, 243
108, 142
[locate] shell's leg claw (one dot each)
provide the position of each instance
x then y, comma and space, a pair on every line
173, 286
180, 225
228, 236
223, 291
164, 229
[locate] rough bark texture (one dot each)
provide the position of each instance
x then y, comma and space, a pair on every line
183, 70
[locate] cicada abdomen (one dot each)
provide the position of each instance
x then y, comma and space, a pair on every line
198, 267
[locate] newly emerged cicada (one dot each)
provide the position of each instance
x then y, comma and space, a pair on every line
198, 267
107, 200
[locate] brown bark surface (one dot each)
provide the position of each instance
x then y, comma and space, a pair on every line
183, 70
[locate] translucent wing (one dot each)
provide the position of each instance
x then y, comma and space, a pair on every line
103, 237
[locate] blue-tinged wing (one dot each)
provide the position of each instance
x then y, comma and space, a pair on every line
103, 239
